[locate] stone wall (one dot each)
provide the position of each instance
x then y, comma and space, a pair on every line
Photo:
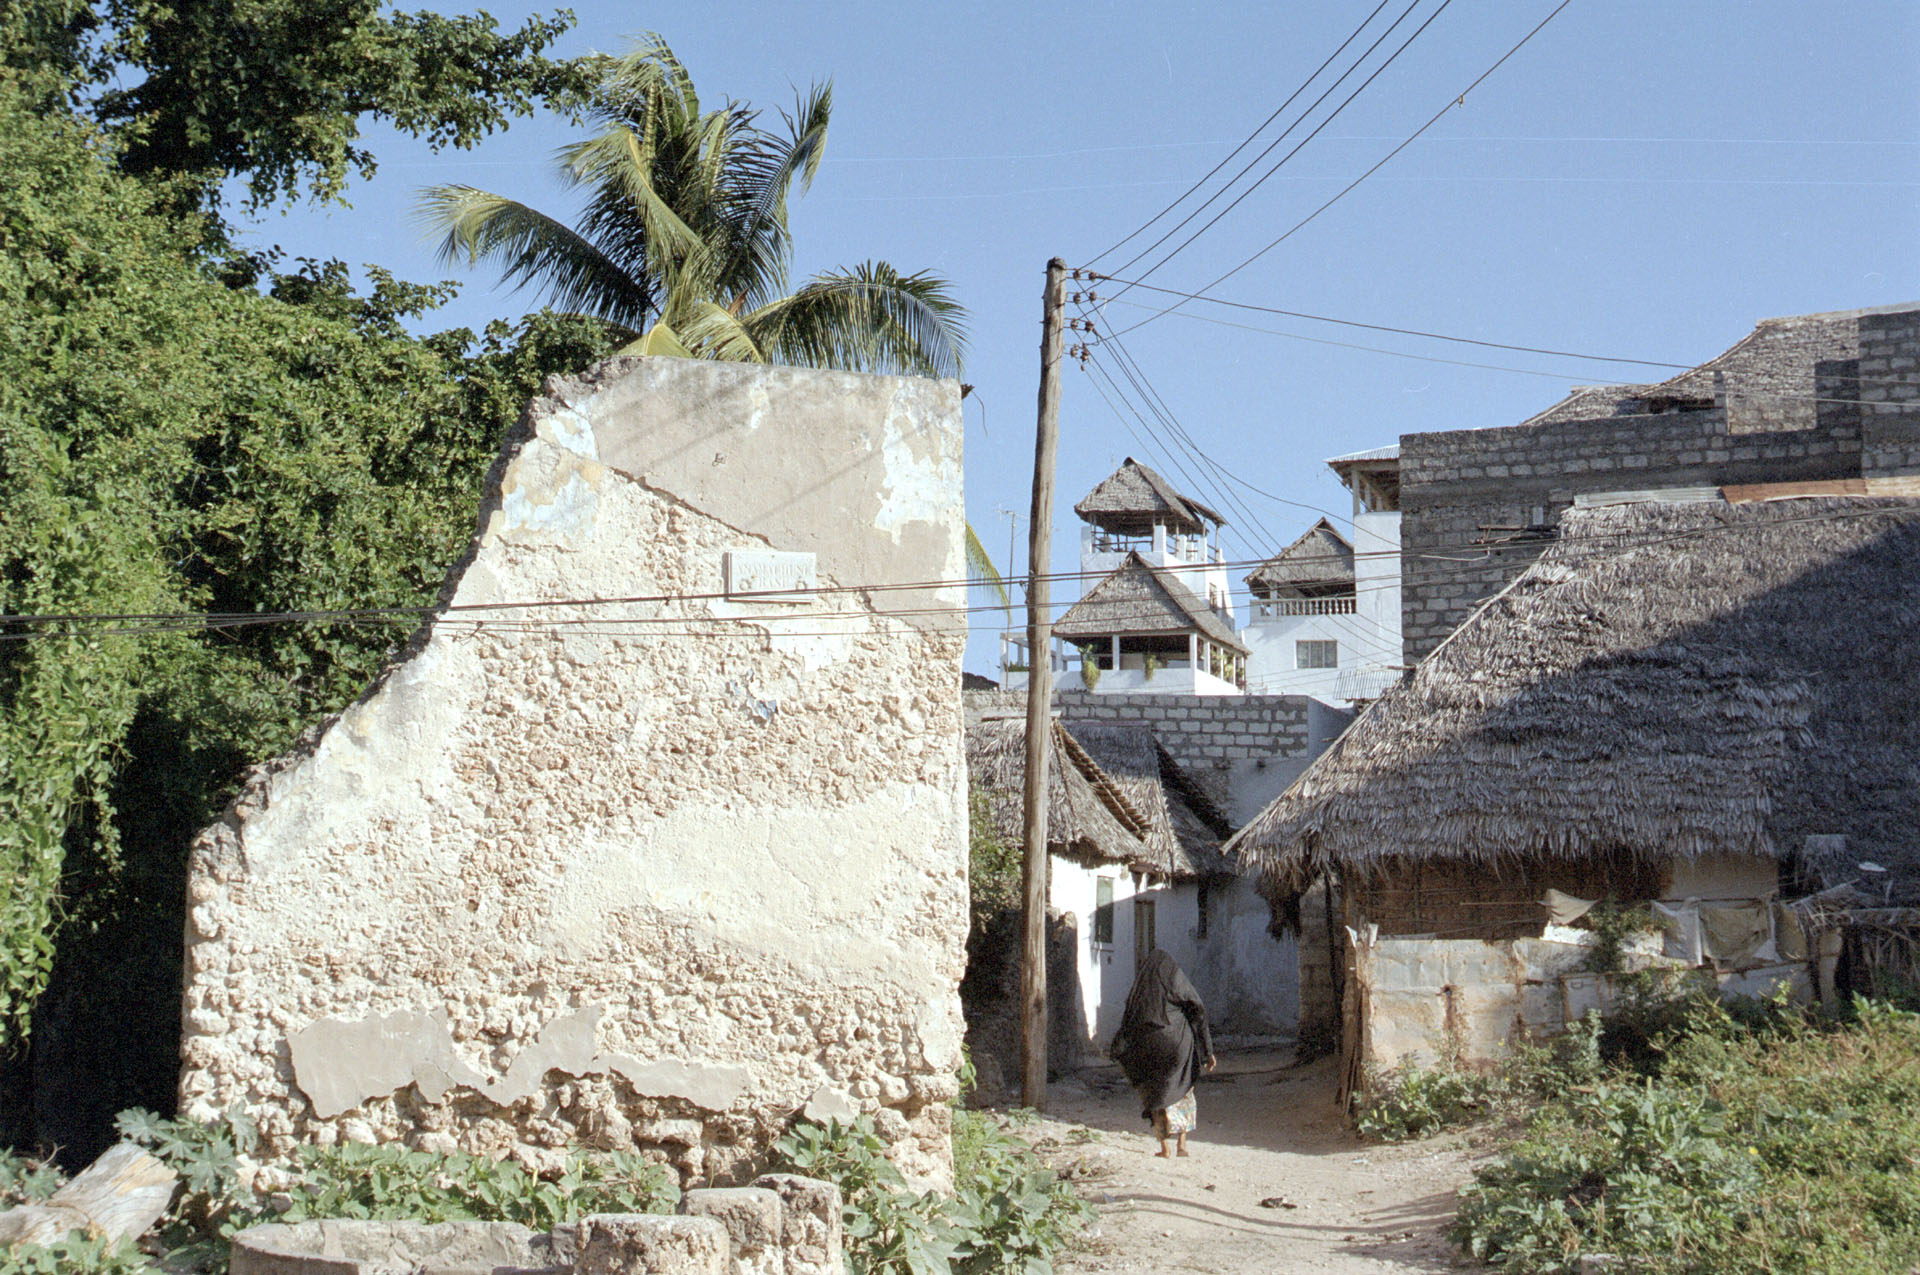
1215, 738
1890, 385
1478, 506
659, 873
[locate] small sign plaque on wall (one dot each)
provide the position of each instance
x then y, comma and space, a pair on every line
765, 575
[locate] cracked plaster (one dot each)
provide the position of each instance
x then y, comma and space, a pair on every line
558, 883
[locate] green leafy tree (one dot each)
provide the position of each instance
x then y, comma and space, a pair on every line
275, 90
173, 446
685, 246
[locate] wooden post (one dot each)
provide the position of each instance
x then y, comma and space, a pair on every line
1033, 948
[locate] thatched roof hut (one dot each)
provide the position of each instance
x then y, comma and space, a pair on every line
1667, 681
1184, 828
1319, 561
1138, 599
1089, 816
1132, 499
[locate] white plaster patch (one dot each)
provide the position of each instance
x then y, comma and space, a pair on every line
828, 1103
917, 488
561, 514
711, 1086
565, 427
340, 1065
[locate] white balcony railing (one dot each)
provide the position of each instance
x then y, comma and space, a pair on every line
1272, 608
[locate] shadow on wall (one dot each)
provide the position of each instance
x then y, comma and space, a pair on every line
107, 1032
990, 1000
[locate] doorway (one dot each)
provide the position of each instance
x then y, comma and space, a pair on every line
1142, 933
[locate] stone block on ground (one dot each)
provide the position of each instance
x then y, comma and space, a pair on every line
810, 1219
340, 1246
754, 1218
650, 1244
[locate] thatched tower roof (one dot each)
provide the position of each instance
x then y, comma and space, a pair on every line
1320, 557
1089, 817
1137, 598
1667, 680
1133, 498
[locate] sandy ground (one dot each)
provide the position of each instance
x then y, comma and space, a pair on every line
1269, 1132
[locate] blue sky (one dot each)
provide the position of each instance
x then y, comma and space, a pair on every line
1643, 180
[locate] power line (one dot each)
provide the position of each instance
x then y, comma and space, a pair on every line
1248, 140
1459, 100
1188, 241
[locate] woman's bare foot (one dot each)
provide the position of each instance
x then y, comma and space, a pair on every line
1165, 1154
1183, 1144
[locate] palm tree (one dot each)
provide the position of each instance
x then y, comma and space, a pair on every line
684, 246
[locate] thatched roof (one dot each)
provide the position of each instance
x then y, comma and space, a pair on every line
1320, 557
1089, 818
1770, 375
1667, 680
1184, 828
1138, 598
1133, 498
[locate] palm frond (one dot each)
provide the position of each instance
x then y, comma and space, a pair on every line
980, 567
712, 331
871, 318
532, 248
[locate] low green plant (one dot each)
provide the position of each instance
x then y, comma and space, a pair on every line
388, 1181
26, 1180
1766, 1138
1008, 1212
1412, 1101
78, 1254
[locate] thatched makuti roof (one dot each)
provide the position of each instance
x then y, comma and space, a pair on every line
1320, 557
1669, 680
1138, 598
1089, 818
1185, 828
1770, 374
1133, 498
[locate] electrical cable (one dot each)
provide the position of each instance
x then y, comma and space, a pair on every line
1262, 180
1459, 100
1249, 139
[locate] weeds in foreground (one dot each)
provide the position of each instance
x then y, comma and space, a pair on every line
1008, 1213
1767, 1138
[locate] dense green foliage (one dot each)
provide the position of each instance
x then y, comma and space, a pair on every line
1779, 1141
685, 235
1008, 1215
274, 90
171, 445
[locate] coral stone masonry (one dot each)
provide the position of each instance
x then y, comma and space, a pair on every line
655, 836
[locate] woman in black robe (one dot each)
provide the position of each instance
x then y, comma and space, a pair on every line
1163, 1046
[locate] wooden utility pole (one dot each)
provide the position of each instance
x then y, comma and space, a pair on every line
1033, 949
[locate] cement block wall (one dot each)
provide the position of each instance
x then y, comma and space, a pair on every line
1470, 499
656, 875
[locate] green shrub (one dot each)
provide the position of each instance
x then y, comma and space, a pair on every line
78, 1255
355, 1180
1411, 1101
25, 1180
1008, 1213
1769, 1139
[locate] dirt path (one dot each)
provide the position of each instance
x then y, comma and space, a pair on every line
1268, 1131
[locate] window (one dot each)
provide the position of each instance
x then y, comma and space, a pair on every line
1205, 919
1103, 912
1316, 654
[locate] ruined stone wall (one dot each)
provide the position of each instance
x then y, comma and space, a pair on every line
657, 873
